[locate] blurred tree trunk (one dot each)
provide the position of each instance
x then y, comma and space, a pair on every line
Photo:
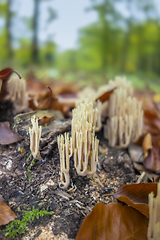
8, 30
35, 47
126, 44
105, 9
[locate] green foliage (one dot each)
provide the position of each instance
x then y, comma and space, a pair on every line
19, 227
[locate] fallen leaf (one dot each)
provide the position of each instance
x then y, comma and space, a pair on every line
105, 96
4, 76
151, 147
44, 120
151, 120
6, 214
136, 195
8, 136
113, 221
147, 144
45, 100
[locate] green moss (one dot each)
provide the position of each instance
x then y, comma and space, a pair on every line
18, 227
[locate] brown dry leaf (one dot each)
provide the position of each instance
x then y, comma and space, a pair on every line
147, 144
44, 120
113, 221
4, 76
151, 160
6, 214
8, 136
105, 96
45, 100
136, 195
152, 121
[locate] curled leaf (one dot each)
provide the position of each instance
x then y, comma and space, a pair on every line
6, 73
4, 76
105, 96
46, 100
136, 195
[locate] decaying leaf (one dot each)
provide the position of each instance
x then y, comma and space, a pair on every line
44, 120
105, 96
152, 121
136, 195
8, 136
45, 100
6, 214
113, 221
4, 76
151, 160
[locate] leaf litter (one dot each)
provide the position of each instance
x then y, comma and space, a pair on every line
115, 169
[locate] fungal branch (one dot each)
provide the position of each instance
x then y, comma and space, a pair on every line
65, 150
35, 136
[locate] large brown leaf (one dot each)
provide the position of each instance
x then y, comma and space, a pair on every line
136, 195
8, 136
113, 222
6, 214
4, 76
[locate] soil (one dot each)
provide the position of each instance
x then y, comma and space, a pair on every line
114, 169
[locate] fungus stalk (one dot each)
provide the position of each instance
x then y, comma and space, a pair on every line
154, 215
65, 150
35, 136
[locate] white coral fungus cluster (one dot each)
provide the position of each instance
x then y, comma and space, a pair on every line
18, 93
125, 119
83, 143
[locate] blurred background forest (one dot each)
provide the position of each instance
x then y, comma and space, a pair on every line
124, 40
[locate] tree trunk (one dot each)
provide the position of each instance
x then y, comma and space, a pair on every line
8, 30
35, 48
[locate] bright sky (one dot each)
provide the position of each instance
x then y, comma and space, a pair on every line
71, 16
63, 30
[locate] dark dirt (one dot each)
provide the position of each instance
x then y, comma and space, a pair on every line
114, 169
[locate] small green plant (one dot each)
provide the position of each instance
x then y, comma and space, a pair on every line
28, 169
18, 227
29, 157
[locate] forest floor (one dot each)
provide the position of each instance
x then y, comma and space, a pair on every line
70, 206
